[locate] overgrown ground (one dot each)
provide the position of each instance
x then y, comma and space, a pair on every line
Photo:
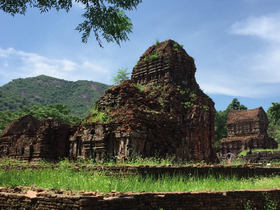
66, 177
69, 179
132, 162
244, 152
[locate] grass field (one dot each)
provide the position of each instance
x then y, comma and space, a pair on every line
68, 179
133, 162
244, 152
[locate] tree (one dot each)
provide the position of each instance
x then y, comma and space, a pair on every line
273, 114
106, 18
122, 75
235, 105
54, 111
6, 117
221, 119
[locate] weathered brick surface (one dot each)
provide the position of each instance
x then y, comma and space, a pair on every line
165, 62
263, 157
247, 129
30, 139
32, 199
171, 116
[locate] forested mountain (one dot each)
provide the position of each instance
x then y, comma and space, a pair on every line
22, 94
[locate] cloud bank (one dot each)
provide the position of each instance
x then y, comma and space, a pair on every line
252, 73
19, 64
255, 74
266, 27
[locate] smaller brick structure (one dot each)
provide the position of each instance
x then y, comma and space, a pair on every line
30, 139
247, 129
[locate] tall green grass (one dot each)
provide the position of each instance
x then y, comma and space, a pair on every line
136, 161
65, 178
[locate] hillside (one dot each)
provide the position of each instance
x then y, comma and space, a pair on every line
79, 96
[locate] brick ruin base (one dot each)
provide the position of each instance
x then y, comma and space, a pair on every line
32, 198
238, 144
262, 157
30, 139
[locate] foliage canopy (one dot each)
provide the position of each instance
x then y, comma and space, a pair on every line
54, 111
43, 90
106, 18
273, 114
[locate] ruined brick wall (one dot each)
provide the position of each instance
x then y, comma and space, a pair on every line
39, 199
262, 157
30, 139
238, 144
168, 115
141, 126
246, 129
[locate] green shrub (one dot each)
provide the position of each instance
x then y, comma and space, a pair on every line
177, 46
187, 104
157, 42
269, 204
155, 55
139, 87
98, 116
248, 205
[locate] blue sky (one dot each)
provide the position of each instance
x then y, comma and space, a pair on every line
235, 44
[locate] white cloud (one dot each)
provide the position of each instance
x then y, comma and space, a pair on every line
93, 67
252, 74
236, 84
266, 27
34, 64
216, 88
5, 53
263, 67
17, 63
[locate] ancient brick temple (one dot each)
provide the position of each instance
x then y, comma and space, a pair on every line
160, 112
30, 139
247, 129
